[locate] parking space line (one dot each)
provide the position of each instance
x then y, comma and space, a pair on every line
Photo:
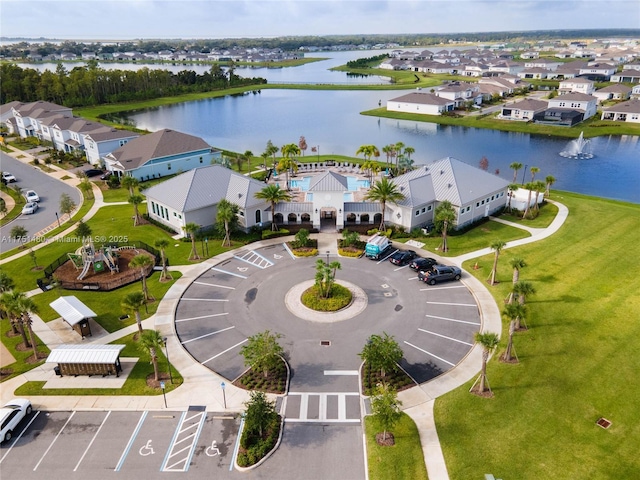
431, 354
54, 441
286, 247
187, 433
131, 440
201, 317
454, 304
207, 335
237, 446
434, 288
387, 257
228, 273
214, 285
444, 336
341, 372
225, 351
401, 268
92, 440
204, 299
172, 443
19, 436
453, 320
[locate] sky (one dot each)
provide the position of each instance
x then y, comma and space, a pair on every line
158, 19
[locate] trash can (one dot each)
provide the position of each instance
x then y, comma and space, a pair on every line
57, 371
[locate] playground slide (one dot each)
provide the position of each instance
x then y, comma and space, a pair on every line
85, 270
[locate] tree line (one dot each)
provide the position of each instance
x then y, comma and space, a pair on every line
91, 85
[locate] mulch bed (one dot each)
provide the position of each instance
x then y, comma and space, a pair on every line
387, 441
67, 272
486, 394
274, 382
162, 377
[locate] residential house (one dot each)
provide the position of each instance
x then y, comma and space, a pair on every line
613, 92
569, 109
545, 64
460, 93
626, 76
628, 111
536, 73
161, 153
576, 85
598, 71
419, 102
193, 197
28, 117
523, 110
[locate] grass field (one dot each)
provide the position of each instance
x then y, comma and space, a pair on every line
578, 360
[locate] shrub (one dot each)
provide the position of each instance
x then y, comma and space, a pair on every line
306, 253
339, 298
266, 234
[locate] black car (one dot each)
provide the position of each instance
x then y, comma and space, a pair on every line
421, 264
93, 172
402, 257
440, 273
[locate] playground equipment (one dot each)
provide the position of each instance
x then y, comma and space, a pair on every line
87, 255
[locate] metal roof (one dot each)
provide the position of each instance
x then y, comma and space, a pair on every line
328, 182
85, 354
72, 310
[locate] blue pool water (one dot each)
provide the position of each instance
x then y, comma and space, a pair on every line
353, 183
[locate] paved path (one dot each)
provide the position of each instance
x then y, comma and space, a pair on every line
202, 383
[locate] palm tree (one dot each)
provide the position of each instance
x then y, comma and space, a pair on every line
190, 229
522, 290
497, 247
162, 244
533, 171
151, 341
408, 151
25, 307
488, 341
550, 180
512, 188
516, 263
142, 262
288, 163
399, 149
513, 312
371, 167
384, 191
135, 200
368, 151
127, 181
227, 211
527, 208
444, 217
515, 166
388, 151
8, 305
538, 186
6, 282
274, 195
132, 303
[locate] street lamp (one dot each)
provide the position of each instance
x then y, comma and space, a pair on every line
166, 349
58, 219
327, 258
224, 397
524, 171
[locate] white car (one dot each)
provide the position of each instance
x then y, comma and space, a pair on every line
32, 196
8, 177
30, 208
11, 415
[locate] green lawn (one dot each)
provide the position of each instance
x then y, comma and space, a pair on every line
404, 460
11, 342
578, 360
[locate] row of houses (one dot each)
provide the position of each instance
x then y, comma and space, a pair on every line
154, 155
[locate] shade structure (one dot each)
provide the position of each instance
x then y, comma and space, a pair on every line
72, 310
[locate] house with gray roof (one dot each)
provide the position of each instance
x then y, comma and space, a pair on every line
420, 102
628, 111
523, 110
28, 117
616, 91
193, 196
161, 153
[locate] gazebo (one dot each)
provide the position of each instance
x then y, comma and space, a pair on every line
75, 313
86, 359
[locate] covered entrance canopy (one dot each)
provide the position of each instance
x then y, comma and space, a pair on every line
75, 313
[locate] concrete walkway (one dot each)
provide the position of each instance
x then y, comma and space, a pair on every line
204, 385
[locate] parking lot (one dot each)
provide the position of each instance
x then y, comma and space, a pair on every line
99, 444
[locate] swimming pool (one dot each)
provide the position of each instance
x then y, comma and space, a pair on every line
353, 183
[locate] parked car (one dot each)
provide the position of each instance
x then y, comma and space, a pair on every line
11, 415
402, 257
422, 264
29, 208
93, 172
105, 175
32, 196
8, 178
440, 273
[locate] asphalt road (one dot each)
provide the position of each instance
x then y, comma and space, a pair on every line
48, 188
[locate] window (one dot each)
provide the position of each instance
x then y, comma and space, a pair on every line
468, 208
429, 208
168, 166
477, 204
482, 202
200, 159
417, 212
175, 214
492, 197
423, 210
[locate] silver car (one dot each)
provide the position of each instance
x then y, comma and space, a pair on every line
30, 208
32, 196
11, 415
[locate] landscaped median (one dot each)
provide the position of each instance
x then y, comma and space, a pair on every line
577, 360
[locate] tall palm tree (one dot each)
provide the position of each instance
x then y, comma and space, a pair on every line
26, 306
368, 151
533, 171
523, 289
444, 217
538, 186
8, 305
516, 263
527, 208
488, 341
6, 282
132, 303
127, 181
515, 166
388, 150
512, 188
288, 163
399, 146
135, 200
227, 211
408, 151
143, 262
497, 247
383, 191
274, 195
162, 244
151, 341
549, 180
513, 312
191, 229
